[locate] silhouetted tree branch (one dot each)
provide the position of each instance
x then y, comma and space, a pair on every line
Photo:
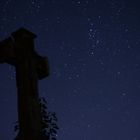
49, 120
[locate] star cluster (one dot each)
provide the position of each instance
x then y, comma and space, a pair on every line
94, 56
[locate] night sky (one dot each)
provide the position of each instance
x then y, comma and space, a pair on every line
93, 48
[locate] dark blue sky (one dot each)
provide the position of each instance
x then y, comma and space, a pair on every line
93, 48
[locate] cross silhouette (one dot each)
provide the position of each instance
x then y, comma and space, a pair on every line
18, 50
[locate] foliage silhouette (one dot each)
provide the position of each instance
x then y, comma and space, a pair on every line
49, 121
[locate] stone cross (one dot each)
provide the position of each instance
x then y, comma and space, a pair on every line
18, 50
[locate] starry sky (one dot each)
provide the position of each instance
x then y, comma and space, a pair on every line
93, 48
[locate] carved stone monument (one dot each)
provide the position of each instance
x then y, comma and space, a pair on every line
18, 50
